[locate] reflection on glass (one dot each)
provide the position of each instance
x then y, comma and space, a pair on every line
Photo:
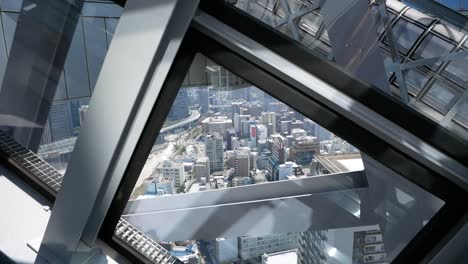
462, 114
406, 34
432, 47
415, 81
221, 138
456, 69
409, 24
441, 96
83, 64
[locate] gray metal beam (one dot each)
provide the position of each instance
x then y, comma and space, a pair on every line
249, 193
43, 35
137, 63
250, 218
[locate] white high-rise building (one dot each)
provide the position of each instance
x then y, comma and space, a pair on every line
285, 170
214, 151
172, 170
83, 112
164, 185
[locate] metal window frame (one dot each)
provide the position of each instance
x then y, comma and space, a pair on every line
427, 241
433, 236
391, 108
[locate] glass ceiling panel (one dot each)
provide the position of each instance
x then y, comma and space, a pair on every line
353, 36
221, 166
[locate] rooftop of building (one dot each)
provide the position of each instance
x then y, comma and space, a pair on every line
341, 162
282, 257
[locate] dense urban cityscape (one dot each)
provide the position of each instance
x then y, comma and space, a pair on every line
226, 135
244, 136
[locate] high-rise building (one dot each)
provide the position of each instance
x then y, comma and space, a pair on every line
253, 160
269, 119
242, 162
60, 121
164, 185
214, 151
229, 134
201, 168
304, 149
368, 247
311, 247
203, 99
83, 112
217, 124
179, 109
238, 120
288, 169
172, 170
277, 156
253, 136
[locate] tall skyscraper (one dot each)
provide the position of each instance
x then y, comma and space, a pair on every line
269, 119
214, 151
83, 112
277, 156
60, 121
203, 99
230, 133
202, 168
242, 162
179, 109
368, 247
311, 248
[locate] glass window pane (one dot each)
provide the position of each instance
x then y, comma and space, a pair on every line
381, 28
441, 96
76, 72
432, 47
462, 113
406, 34
3, 52
456, 69
9, 25
111, 24
228, 137
311, 23
69, 110
415, 81
96, 46
11, 5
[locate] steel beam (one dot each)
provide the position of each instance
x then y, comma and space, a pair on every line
265, 191
145, 43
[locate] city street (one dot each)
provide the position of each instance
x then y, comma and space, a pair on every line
167, 153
